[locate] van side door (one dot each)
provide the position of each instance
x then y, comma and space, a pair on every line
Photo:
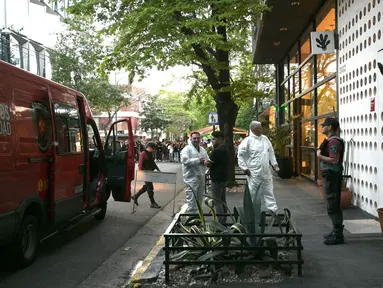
119, 163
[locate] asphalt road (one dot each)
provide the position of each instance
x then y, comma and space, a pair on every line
67, 259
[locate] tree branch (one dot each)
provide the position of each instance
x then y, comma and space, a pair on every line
199, 51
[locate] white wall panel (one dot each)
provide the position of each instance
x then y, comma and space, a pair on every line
360, 26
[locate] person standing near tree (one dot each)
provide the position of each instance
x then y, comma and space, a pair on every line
146, 162
254, 155
193, 159
219, 163
330, 155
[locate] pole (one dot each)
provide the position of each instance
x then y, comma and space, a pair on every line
213, 128
174, 199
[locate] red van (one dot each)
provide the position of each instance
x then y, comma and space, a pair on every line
54, 170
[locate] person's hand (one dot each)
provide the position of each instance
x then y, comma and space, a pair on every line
318, 153
247, 172
202, 160
276, 167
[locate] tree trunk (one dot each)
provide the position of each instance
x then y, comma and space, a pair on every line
227, 114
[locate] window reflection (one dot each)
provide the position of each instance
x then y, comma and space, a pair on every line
326, 65
287, 114
307, 75
308, 134
308, 163
307, 103
305, 49
326, 97
286, 91
321, 136
294, 62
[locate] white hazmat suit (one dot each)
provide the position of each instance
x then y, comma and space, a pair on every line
194, 175
254, 154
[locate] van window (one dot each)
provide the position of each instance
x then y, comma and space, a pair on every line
68, 132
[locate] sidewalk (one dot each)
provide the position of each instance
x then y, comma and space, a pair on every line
358, 263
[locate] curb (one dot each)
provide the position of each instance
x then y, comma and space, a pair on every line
152, 264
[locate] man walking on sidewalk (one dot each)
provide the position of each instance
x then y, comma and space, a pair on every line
254, 155
146, 162
193, 158
219, 163
330, 155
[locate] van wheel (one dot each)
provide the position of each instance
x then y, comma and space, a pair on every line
103, 204
26, 243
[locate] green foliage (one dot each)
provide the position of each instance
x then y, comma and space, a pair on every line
199, 109
246, 114
163, 34
154, 116
207, 34
173, 104
75, 65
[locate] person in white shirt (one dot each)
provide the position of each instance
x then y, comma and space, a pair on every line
254, 155
193, 158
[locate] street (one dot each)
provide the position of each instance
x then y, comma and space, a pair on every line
67, 259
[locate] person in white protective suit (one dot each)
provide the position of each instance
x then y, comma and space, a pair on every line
193, 158
254, 154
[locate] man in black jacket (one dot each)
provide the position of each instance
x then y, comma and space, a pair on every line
146, 162
219, 164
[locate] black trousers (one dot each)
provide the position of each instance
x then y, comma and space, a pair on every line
332, 184
148, 187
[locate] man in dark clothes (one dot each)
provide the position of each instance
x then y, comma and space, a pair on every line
146, 162
330, 155
219, 163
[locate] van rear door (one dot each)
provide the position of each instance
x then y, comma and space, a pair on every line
120, 161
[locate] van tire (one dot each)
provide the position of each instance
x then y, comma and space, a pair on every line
26, 243
103, 204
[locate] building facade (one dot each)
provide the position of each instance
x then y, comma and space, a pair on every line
344, 82
28, 30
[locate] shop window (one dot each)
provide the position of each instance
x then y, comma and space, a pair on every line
308, 134
307, 75
326, 97
286, 91
291, 108
68, 132
307, 104
306, 45
294, 59
326, 63
321, 136
286, 113
285, 67
308, 163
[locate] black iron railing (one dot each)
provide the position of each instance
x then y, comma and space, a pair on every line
292, 241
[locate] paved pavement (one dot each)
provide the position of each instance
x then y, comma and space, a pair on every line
358, 263
74, 259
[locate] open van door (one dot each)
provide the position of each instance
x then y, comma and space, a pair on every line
119, 159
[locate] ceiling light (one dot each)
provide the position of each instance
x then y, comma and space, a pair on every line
283, 29
277, 43
295, 3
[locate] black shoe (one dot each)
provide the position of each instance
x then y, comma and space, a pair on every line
334, 240
328, 235
155, 205
335, 237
